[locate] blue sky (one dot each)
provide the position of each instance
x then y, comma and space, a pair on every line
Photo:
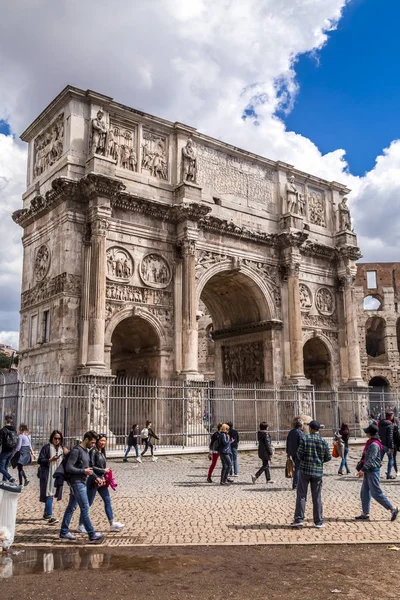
350, 95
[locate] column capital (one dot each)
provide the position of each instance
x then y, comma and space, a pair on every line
186, 247
290, 269
346, 281
99, 226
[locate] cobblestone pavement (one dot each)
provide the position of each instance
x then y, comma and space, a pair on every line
170, 503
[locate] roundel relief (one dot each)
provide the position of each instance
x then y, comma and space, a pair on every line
42, 262
119, 264
155, 271
324, 301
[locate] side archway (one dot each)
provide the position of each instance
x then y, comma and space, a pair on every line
318, 363
135, 340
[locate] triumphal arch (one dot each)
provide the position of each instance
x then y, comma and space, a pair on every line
153, 250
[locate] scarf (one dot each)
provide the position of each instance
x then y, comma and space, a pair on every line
368, 443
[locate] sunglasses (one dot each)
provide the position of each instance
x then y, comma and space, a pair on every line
101, 435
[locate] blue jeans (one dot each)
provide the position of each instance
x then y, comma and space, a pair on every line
129, 449
226, 466
344, 464
48, 506
5, 458
372, 487
77, 497
390, 460
105, 495
235, 468
296, 471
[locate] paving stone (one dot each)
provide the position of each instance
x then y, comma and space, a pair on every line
170, 503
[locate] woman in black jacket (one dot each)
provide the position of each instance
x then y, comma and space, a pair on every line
96, 482
265, 452
344, 433
133, 442
50, 458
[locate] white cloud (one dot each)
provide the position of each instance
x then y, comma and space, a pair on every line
200, 62
11, 338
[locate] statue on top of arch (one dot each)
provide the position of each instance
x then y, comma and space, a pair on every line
344, 216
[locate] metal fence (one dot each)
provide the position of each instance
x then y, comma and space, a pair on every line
183, 413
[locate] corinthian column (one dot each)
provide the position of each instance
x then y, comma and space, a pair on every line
97, 302
84, 330
189, 308
353, 348
295, 328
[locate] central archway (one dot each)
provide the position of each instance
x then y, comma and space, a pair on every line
236, 336
135, 349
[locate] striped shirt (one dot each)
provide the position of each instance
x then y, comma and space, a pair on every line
313, 452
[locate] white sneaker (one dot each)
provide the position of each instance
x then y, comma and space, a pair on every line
139, 460
116, 526
81, 529
319, 525
235, 475
154, 459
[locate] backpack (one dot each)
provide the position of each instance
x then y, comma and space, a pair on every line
10, 438
144, 433
63, 465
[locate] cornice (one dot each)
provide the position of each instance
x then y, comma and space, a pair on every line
221, 334
317, 250
217, 225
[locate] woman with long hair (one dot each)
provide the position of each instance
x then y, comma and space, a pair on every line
23, 453
344, 432
96, 482
50, 458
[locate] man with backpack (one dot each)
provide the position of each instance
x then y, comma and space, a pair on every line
76, 471
8, 443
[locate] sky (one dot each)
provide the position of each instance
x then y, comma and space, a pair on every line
310, 82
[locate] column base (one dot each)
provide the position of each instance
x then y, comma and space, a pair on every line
191, 376
94, 370
300, 381
355, 383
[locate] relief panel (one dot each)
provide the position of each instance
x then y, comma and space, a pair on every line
155, 154
48, 146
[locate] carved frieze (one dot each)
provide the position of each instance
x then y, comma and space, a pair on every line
42, 262
48, 146
305, 297
121, 146
155, 271
324, 301
243, 363
155, 154
119, 264
320, 321
316, 208
64, 283
130, 293
206, 259
230, 175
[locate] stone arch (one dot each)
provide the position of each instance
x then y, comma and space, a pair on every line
379, 381
141, 312
317, 357
250, 278
136, 343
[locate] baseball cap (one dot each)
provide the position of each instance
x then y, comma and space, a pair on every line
316, 425
372, 429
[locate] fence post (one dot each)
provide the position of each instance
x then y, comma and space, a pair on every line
278, 437
3, 398
21, 403
255, 411
60, 395
183, 415
233, 403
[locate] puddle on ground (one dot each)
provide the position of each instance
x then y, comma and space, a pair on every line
32, 561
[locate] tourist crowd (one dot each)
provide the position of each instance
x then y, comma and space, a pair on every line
83, 469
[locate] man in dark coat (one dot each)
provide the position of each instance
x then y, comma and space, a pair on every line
292, 445
265, 452
386, 428
8, 443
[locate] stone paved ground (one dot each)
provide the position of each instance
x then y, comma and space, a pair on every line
170, 503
